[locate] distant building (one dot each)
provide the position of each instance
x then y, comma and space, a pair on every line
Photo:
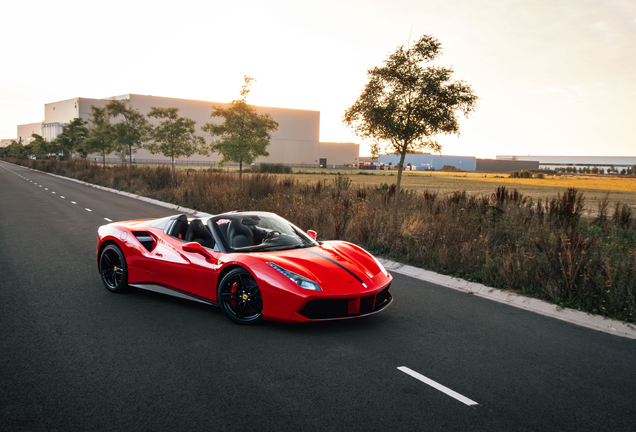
553, 162
7, 142
504, 165
423, 162
25, 131
297, 141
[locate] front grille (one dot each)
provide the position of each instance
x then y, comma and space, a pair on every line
337, 308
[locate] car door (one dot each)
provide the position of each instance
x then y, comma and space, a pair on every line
187, 272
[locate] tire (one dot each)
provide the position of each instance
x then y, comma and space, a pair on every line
113, 269
240, 298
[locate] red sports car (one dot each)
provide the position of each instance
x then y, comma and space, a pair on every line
254, 265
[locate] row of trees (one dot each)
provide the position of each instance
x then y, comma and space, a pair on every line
596, 170
117, 127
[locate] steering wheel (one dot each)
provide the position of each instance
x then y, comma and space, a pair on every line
272, 235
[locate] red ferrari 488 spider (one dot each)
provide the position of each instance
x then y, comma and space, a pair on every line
254, 265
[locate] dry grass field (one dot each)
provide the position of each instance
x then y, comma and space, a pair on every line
594, 187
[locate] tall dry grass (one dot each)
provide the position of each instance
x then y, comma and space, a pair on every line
547, 249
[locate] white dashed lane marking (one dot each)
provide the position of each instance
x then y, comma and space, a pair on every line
61, 196
438, 386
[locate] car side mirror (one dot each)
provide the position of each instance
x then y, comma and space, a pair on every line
312, 234
195, 247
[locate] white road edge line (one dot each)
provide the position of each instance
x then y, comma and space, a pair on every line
109, 220
595, 322
438, 386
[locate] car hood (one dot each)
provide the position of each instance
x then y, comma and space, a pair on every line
330, 263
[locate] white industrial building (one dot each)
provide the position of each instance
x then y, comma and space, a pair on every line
297, 141
600, 162
423, 162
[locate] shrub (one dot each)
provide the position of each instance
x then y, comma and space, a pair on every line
272, 168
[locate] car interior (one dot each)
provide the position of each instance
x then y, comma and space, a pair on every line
194, 231
239, 235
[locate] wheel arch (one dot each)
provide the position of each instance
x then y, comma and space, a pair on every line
225, 271
103, 245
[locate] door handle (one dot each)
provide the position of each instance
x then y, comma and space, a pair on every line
159, 254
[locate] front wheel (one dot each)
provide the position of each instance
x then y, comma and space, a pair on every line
113, 269
240, 298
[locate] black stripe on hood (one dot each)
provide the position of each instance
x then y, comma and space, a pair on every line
336, 263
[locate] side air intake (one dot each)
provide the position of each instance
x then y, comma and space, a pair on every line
145, 239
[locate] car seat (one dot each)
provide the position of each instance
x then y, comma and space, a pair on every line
239, 235
197, 232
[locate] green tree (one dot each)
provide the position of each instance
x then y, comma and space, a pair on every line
174, 136
72, 137
406, 104
41, 148
15, 149
131, 131
101, 133
244, 134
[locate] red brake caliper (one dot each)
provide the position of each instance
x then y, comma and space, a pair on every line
233, 290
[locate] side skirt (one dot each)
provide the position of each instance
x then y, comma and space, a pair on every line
171, 292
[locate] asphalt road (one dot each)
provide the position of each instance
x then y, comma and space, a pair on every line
76, 357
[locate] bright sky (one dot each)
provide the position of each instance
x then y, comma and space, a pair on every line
553, 77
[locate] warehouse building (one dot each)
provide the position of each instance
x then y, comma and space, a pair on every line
506, 165
553, 162
424, 162
297, 141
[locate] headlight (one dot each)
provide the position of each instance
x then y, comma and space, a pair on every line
382, 269
301, 281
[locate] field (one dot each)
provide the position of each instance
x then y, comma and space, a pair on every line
594, 187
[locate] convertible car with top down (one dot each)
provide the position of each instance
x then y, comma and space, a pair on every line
253, 265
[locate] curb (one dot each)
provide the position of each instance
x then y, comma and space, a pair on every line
583, 319
128, 194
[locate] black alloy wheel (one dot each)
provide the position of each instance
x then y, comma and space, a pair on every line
113, 269
239, 297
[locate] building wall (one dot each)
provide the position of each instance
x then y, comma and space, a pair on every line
62, 111
505, 165
7, 142
338, 153
26, 130
422, 162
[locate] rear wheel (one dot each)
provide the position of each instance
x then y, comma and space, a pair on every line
240, 298
113, 269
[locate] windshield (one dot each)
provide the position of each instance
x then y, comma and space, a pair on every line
250, 232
